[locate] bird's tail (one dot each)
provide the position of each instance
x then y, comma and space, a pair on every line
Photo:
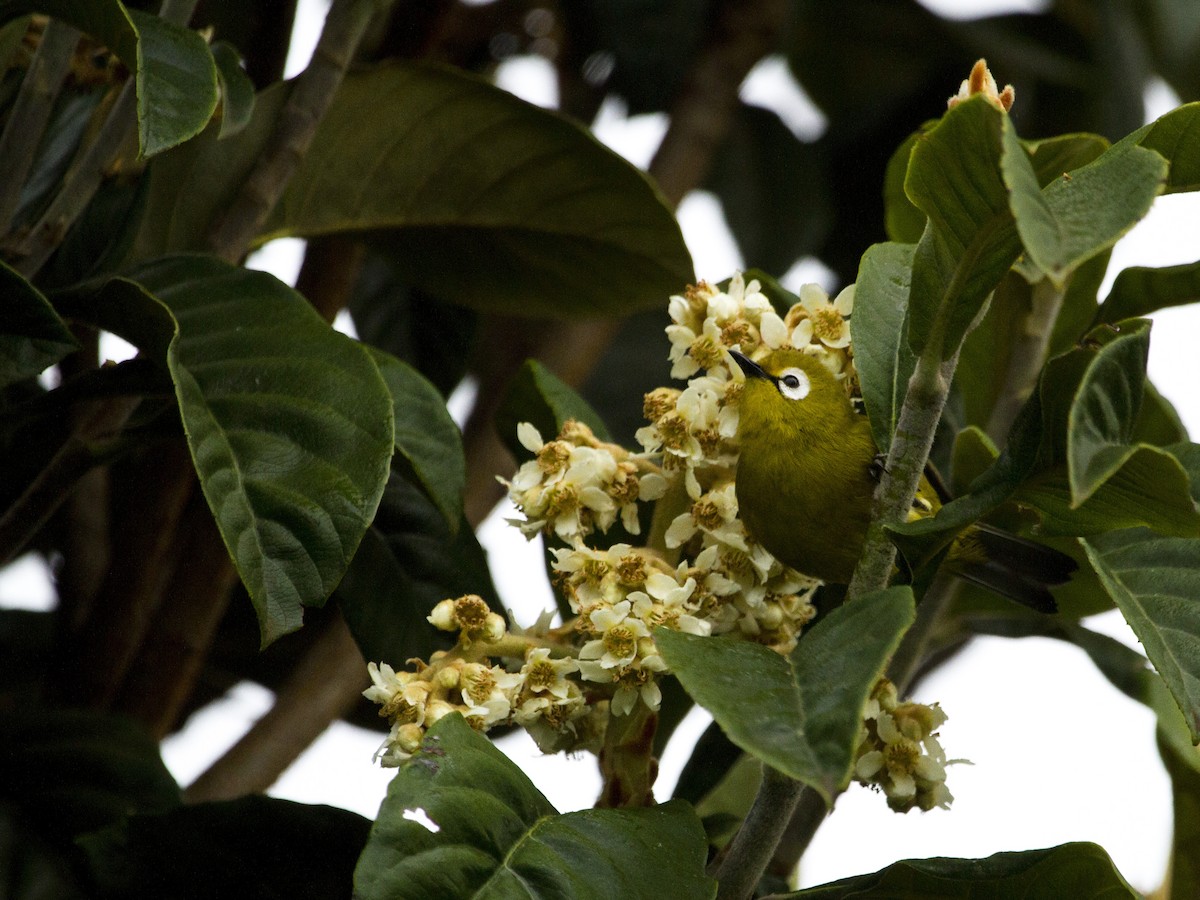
1014, 567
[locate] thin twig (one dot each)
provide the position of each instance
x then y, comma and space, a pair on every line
55, 482
314, 90
31, 111
923, 404
752, 847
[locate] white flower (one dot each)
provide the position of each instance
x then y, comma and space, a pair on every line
619, 635
543, 674
825, 322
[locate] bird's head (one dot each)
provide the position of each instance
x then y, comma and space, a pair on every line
791, 392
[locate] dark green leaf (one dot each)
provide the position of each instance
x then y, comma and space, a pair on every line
461, 820
904, 222
1079, 304
425, 435
1150, 489
538, 396
1081, 213
1069, 870
250, 847
1104, 410
487, 200
32, 336
408, 561
1177, 137
1139, 291
970, 240
289, 422
882, 356
982, 373
237, 91
435, 337
1158, 423
1054, 157
175, 74
72, 772
1155, 582
801, 713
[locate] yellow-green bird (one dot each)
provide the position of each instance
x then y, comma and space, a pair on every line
807, 472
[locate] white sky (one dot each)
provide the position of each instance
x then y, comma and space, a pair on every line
1058, 754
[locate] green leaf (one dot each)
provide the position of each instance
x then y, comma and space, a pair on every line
882, 356
425, 435
1082, 212
1055, 156
289, 422
465, 171
237, 90
538, 396
1150, 489
249, 847
1104, 410
408, 561
1140, 290
32, 336
461, 820
801, 713
176, 78
970, 239
1177, 137
72, 772
1155, 582
1069, 870
903, 221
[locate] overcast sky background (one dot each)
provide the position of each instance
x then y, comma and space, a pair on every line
1058, 755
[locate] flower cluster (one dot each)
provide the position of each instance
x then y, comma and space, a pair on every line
700, 572
899, 753
539, 695
576, 484
694, 430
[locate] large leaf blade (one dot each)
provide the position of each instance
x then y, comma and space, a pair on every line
970, 239
290, 426
461, 820
466, 173
1085, 211
882, 357
425, 435
1155, 581
799, 714
1069, 870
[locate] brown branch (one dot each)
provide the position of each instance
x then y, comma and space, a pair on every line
181, 633
331, 267
311, 96
323, 688
31, 111
78, 454
700, 118
146, 544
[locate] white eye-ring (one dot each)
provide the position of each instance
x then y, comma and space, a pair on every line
794, 384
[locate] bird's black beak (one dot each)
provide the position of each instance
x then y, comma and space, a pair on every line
749, 366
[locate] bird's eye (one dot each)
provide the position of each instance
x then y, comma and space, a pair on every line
794, 384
